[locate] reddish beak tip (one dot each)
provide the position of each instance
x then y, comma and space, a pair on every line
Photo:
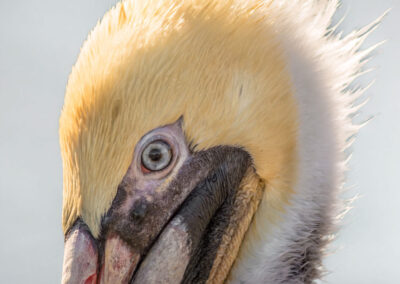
81, 262
92, 279
80, 258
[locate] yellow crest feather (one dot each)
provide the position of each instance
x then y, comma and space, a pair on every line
217, 63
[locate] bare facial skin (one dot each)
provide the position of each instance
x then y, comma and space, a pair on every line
163, 226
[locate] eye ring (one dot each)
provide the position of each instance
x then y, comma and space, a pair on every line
156, 156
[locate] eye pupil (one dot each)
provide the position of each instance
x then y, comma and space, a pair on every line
155, 155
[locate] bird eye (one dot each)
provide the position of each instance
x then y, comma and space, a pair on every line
156, 156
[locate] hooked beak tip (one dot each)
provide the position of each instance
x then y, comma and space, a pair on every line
80, 258
81, 262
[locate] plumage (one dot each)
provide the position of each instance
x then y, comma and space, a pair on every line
269, 76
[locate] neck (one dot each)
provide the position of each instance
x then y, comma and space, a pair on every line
290, 249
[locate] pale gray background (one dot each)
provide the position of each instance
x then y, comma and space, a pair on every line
39, 42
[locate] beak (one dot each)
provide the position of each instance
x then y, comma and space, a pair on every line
166, 236
81, 259
80, 256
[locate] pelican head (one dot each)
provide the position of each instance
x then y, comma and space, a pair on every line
203, 141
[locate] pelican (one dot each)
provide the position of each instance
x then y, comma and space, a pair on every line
205, 142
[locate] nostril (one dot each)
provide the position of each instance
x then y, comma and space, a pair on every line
139, 209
